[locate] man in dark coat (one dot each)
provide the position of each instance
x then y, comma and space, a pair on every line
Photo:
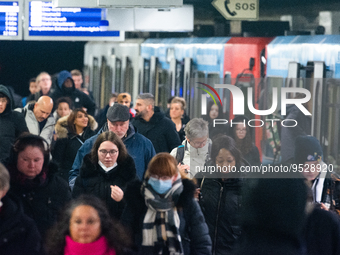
138, 147
12, 123
66, 88
153, 124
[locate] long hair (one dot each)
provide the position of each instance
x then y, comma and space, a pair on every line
228, 143
246, 144
70, 120
220, 111
112, 231
112, 137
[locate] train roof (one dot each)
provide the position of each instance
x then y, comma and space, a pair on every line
206, 53
301, 49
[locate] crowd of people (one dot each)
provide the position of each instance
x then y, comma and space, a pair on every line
131, 180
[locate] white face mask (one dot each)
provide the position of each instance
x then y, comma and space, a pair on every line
0, 203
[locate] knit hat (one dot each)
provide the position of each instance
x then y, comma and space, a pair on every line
307, 148
118, 112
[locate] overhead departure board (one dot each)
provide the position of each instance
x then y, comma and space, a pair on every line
10, 20
46, 22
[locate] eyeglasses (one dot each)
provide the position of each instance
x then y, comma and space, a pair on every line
105, 152
162, 178
3, 100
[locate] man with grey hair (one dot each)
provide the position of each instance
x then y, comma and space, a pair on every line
195, 149
19, 234
153, 124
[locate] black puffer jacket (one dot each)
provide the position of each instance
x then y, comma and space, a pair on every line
42, 198
160, 130
68, 144
94, 180
12, 124
221, 203
193, 229
18, 233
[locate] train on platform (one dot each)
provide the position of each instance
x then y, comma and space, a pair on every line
177, 66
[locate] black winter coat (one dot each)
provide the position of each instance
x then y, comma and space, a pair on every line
253, 156
18, 232
42, 202
160, 130
67, 146
193, 229
12, 124
221, 203
94, 180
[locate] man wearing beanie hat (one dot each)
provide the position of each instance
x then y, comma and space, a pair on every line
139, 147
325, 184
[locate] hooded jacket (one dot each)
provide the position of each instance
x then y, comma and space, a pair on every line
18, 232
160, 130
68, 144
12, 124
33, 125
79, 98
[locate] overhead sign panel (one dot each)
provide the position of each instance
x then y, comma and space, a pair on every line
10, 20
238, 9
140, 3
46, 22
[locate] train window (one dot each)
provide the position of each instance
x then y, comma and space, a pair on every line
118, 76
146, 76
96, 81
163, 92
128, 76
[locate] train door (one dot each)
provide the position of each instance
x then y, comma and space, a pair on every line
331, 136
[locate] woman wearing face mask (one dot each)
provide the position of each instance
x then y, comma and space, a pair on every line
165, 201
221, 195
85, 227
72, 131
105, 172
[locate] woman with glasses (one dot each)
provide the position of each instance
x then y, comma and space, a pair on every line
242, 136
72, 131
162, 214
105, 172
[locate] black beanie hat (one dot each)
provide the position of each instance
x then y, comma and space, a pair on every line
307, 148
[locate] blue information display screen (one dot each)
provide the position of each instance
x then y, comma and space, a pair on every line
46, 20
9, 18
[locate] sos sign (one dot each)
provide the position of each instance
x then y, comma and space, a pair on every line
238, 9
